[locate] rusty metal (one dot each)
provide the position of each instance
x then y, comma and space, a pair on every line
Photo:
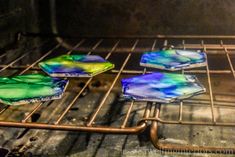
210, 88
181, 148
22, 56
124, 128
87, 83
113, 83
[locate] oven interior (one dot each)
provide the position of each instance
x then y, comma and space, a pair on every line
91, 119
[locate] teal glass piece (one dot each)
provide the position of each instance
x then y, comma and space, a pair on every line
29, 88
161, 87
173, 59
75, 66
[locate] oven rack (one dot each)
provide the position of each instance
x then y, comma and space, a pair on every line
217, 45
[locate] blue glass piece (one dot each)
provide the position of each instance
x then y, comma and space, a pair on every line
173, 59
161, 87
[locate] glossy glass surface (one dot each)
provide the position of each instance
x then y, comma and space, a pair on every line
173, 59
75, 66
30, 88
161, 87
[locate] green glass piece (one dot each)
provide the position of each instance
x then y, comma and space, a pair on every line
75, 66
30, 88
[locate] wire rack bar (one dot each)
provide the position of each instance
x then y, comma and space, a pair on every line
127, 115
48, 53
26, 69
85, 86
76, 46
19, 58
132, 102
29, 67
95, 46
228, 58
40, 104
112, 85
37, 61
4, 54
69, 52
210, 88
130, 71
181, 102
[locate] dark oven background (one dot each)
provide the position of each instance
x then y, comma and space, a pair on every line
111, 17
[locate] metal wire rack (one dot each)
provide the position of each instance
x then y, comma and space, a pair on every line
222, 46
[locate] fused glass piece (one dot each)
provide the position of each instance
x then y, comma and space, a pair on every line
75, 66
24, 89
161, 87
173, 59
